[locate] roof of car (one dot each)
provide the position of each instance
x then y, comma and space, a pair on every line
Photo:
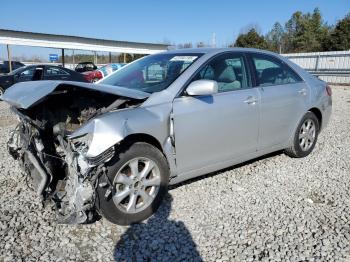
216, 50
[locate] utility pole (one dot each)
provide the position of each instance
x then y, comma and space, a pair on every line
213, 43
9, 57
63, 63
95, 57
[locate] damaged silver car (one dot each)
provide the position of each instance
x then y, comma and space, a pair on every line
111, 149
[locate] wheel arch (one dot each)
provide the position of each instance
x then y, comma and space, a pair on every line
318, 114
166, 149
142, 137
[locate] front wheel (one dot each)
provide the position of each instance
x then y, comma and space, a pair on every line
138, 176
305, 136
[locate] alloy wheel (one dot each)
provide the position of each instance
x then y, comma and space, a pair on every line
136, 185
307, 134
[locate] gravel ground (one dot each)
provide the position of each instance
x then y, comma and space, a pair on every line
275, 208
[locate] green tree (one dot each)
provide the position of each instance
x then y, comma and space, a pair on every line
251, 39
305, 32
274, 38
340, 36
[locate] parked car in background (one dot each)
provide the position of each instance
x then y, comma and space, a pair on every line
5, 66
161, 120
38, 72
98, 74
85, 66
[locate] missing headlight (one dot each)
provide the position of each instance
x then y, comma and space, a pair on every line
81, 144
102, 158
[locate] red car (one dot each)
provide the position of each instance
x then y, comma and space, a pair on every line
93, 76
96, 75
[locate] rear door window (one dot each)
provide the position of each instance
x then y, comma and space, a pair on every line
271, 71
54, 71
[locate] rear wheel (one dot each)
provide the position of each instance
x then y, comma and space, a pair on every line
1, 90
95, 80
305, 136
139, 177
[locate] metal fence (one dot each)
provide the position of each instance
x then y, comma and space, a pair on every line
332, 67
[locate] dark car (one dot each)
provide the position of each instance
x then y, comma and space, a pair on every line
85, 66
5, 66
38, 72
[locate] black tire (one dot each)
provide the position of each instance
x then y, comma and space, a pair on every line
125, 153
295, 150
95, 80
2, 91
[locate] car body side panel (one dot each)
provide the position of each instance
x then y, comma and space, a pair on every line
281, 108
210, 129
6, 81
183, 176
320, 99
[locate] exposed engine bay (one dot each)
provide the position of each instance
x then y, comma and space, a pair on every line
55, 163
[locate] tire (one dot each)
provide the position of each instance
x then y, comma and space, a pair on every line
1, 91
119, 176
298, 149
95, 80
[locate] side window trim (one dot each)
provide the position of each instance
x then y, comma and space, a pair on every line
246, 64
274, 59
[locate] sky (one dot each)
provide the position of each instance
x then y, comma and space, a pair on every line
154, 21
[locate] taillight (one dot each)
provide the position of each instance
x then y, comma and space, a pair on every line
328, 90
99, 74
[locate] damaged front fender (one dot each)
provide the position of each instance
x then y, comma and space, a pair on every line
111, 128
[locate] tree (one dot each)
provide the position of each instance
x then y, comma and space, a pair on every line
188, 45
251, 39
340, 36
305, 32
200, 44
275, 38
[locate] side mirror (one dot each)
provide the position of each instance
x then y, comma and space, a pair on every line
202, 88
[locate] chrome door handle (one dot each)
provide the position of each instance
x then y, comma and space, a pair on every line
302, 92
251, 100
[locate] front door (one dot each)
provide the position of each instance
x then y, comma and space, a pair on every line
221, 127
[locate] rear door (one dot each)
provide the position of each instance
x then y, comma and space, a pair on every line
284, 96
218, 128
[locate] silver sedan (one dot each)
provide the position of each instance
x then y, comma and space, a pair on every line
113, 148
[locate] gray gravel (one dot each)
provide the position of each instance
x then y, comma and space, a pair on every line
275, 208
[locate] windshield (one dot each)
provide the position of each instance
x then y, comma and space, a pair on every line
152, 73
18, 70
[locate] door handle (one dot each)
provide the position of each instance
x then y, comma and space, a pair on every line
302, 91
251, 100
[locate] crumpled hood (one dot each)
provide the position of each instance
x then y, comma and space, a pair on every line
26, 94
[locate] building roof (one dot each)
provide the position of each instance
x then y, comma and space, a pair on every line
13, 37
